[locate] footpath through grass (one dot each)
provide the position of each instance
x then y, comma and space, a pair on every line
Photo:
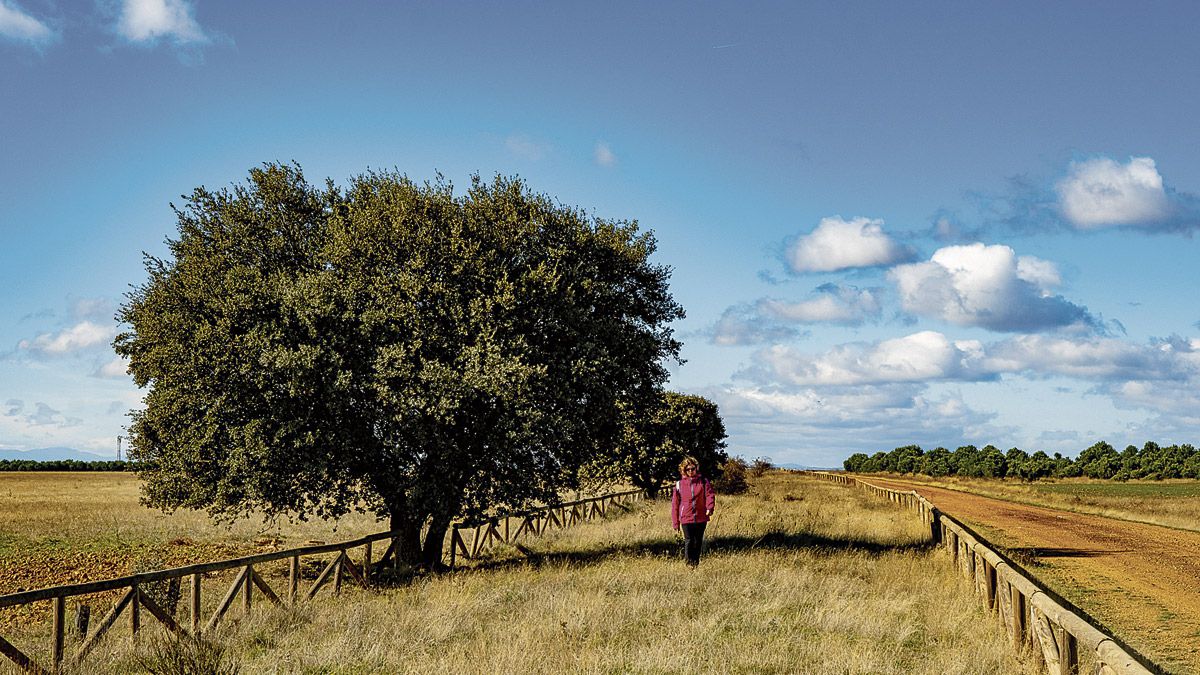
801, 576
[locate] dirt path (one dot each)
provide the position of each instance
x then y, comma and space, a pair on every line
1141, 581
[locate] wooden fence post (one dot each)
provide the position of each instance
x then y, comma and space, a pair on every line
60, 619
293, 578
195, 603
247, 589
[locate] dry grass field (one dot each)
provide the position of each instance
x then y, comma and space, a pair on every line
800, 576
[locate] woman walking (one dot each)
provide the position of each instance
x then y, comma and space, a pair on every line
692, 504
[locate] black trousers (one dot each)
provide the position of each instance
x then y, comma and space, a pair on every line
693, 539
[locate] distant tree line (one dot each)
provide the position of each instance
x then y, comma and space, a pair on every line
64, 465
1150, 462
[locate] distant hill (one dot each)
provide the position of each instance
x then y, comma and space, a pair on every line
48, 454
805, 467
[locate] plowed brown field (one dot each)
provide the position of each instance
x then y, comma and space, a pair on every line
1141, 581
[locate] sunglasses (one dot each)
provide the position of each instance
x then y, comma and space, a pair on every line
689, 469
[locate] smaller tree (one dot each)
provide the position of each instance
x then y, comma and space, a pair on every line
654, 442
760, 465
732, 478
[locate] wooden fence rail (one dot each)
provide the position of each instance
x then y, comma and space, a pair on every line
248, 581
1028, 612
499, 528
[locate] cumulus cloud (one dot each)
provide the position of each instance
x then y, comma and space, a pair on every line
80, 336
1100, 359
147, 21
989, 287
1094, 194
604, 155
17, 25
929, 356
774, 320
13, 407
837, 244
1099, 193
920, 357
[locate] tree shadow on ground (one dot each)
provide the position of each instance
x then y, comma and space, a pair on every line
1034, 552
670, 547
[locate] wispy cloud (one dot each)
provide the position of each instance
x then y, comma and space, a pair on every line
604, 155
775, 320
118, 368
19, 26
989, 287
837, 244
525, 147
81, 336
148, 21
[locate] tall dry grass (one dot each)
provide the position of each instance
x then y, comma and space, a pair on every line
799, 577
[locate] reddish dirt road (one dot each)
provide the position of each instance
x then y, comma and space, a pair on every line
1141, 581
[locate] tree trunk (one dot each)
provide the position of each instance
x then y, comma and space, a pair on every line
435, 538
409, 548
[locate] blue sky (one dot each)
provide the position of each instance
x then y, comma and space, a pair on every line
889, 223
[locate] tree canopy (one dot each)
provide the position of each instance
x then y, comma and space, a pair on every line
1099, 460
390, 346
655, 440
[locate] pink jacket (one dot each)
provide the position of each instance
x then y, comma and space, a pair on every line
691, 500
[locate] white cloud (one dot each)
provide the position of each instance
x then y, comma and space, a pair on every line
837, 244
17, 25
919, 357
80, 336
842, 305
1100, 359
117, 369
823, 426
604, 155
745, 325
1099, 193
774, 320
525, 147
149, 20
989, 287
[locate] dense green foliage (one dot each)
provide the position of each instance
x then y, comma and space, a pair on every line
1151, 461
63, 465
391, 347
656, 439
731, 477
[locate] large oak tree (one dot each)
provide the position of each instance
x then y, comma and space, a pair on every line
388, 346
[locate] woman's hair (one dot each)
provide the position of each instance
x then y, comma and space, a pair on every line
688, 461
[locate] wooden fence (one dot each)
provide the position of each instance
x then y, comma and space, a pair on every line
134, 596
499, 528
1028, 612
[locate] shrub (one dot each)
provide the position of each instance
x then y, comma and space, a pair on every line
732, 480
760, 465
